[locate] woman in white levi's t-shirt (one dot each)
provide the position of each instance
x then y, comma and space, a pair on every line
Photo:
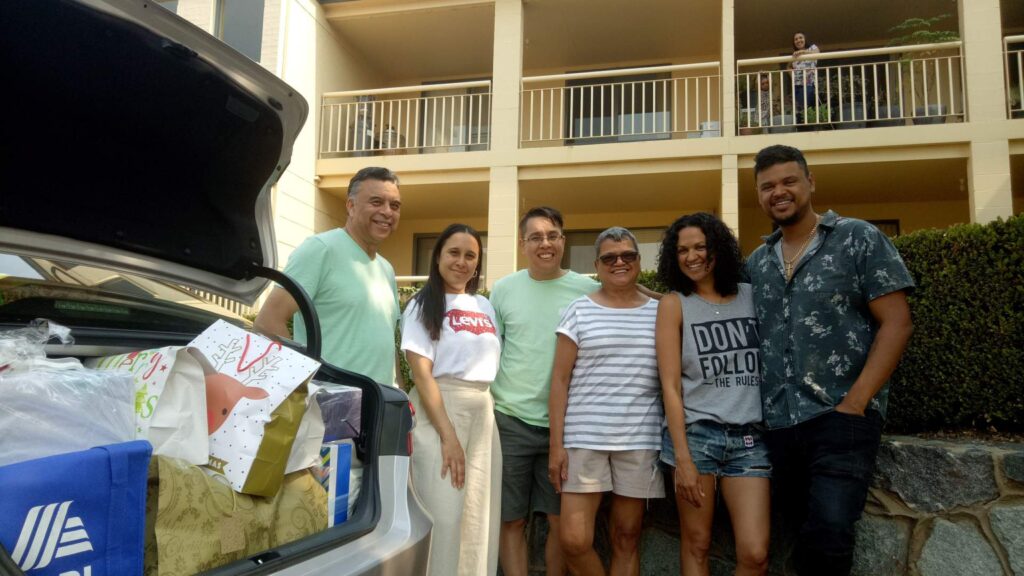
450, 339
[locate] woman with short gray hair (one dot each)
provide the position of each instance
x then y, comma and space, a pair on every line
605, 410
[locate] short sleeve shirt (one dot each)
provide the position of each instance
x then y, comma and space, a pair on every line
804, 70
817, 329
468, 347
528, 312
614, 394
356, 300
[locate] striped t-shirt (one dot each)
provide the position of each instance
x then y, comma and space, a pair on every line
614, 395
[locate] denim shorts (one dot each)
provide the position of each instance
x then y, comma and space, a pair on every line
723, 449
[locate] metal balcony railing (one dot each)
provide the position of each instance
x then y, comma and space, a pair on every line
1014, 74
621, 105
453, 117
922, 84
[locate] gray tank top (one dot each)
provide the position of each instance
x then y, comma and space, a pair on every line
721, 359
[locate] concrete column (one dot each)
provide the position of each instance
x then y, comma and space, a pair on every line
728, 68
988, 177
503, 197
502, 220
982, 36
729, 204
507, 76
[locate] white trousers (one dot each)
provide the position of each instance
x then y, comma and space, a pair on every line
464, 540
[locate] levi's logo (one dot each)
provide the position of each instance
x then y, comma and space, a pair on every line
48, 533
475, 322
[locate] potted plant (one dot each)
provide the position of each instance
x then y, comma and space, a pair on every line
748, 122
914, 31
820, 114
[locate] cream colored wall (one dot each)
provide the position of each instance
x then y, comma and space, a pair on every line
198, 12
312, 60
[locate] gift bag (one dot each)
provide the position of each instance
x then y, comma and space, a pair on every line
197, 522
306, 449
170, 399
76, 513
255, 401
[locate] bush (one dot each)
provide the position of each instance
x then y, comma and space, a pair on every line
964, 367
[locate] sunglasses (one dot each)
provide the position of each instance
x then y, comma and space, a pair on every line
626, 257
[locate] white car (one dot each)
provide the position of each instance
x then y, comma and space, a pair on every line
139, 144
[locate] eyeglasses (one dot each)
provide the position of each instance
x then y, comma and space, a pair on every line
626, 257
551, 237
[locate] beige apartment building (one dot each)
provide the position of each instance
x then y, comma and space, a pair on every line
632, 113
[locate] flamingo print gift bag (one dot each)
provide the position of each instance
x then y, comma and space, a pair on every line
255, 399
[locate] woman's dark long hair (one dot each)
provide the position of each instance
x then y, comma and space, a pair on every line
431, 297
807, 41
723, 249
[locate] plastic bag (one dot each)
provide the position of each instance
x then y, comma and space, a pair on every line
50, 407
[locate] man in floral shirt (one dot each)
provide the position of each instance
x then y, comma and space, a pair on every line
830, 297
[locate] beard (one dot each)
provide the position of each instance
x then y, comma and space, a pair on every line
793, 218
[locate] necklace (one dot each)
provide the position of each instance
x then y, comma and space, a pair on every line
791, 262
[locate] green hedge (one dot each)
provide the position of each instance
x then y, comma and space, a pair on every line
964, 368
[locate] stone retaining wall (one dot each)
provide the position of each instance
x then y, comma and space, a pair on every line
936, 508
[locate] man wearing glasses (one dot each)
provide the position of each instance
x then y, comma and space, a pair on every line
529, 304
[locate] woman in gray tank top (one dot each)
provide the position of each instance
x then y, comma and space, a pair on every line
710, 368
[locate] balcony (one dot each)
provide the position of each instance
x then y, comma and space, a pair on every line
875, 87
651, 103
452, 117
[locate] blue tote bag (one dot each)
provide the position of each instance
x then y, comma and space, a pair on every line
81, 513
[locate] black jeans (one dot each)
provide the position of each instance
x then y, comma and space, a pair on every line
822, 471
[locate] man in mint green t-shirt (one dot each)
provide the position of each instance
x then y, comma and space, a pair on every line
352, 286
529, 304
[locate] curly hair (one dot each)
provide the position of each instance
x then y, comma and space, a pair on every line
723, 250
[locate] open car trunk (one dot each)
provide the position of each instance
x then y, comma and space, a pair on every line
137, 142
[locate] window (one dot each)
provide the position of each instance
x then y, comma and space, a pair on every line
579, 249
239, 24
619, 109
890, 228
171, 5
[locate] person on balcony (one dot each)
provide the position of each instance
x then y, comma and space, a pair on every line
767, 100
830, 295
709, 365
450, 338
605, 410
804, 75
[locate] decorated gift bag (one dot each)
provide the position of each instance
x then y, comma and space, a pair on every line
170, 399
255, 400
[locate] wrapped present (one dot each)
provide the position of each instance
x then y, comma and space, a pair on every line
340, 473
341, 407
196, 521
